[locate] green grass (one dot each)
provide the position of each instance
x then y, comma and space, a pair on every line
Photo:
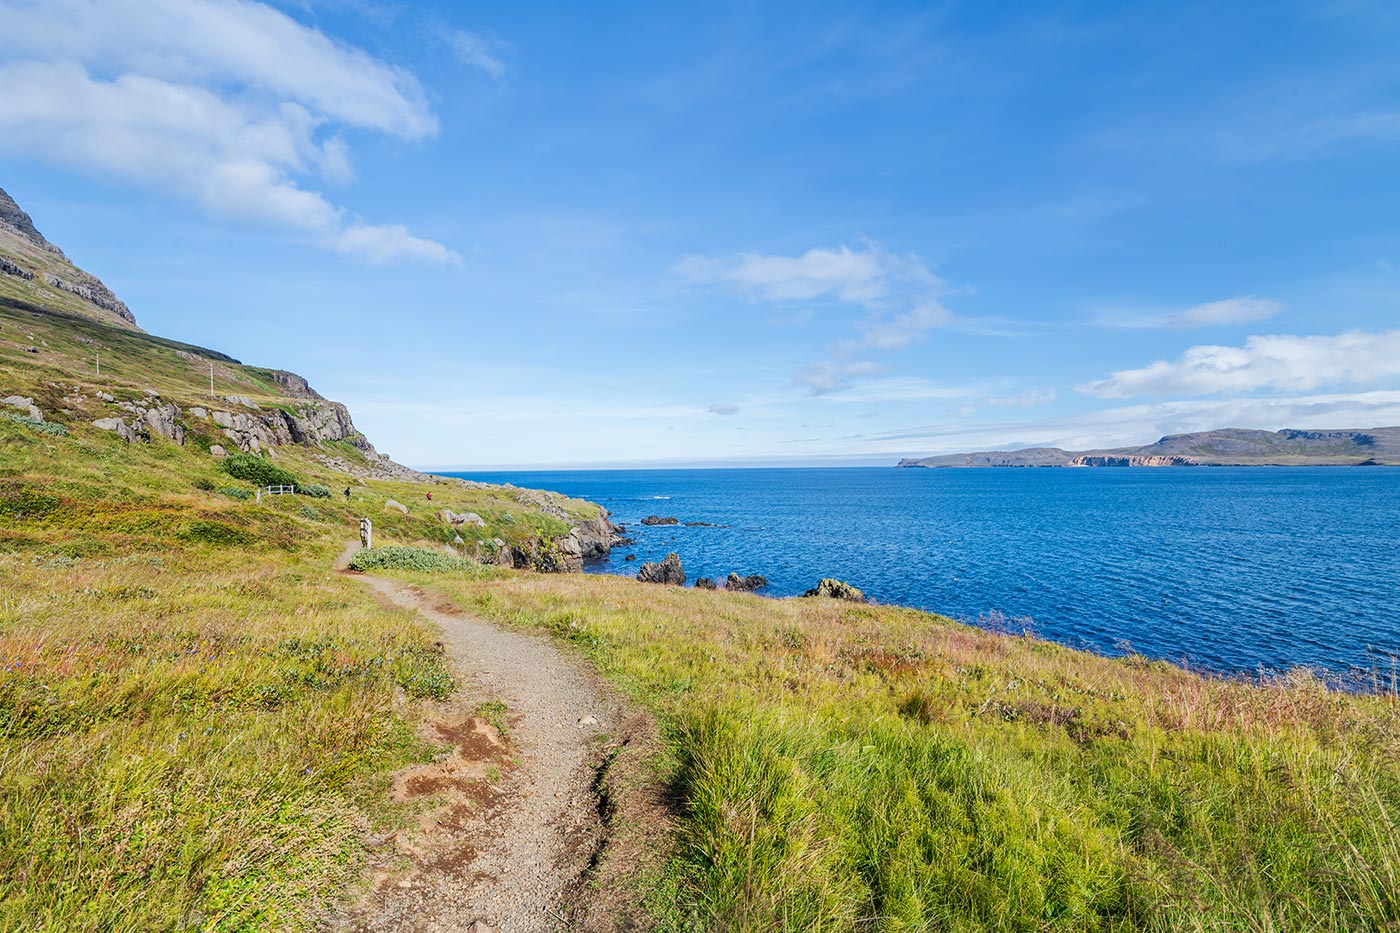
847, 767
198, 718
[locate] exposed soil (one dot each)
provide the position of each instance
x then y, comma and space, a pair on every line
516, 839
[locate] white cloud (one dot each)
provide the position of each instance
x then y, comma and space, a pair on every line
479, 51
859, 275
223, 102
823, 378
1030, 398
390, 243
723, 408
898, 293
1239, 310
1284, 363
900, 330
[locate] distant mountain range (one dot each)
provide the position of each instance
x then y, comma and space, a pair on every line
1224, 447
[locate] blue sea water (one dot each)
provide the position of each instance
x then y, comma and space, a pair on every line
1229, 569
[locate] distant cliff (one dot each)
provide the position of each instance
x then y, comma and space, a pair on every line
36, 274
1224, 447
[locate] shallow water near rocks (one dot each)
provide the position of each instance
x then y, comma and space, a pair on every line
1230, 569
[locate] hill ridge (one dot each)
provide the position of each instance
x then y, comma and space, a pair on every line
1220, 447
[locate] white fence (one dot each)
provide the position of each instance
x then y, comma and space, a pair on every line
275, 491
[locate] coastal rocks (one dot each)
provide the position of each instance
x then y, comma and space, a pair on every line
393, 505
23, 404
543, 502
831, 588
748, 584
597, 537
630, 557
666, 571
466, 518
658, 520
704, 583
217, 451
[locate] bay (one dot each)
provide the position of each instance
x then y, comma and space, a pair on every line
1230, 569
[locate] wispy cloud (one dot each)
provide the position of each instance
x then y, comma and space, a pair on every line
899, 294
228, 103
479, 50
723, 408
1242, 309
1282, 362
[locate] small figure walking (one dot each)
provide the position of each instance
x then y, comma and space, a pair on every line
430, 497
347, 493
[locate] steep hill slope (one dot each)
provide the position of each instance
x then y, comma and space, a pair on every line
1224, 447
36, 274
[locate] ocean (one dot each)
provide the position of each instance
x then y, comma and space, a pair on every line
1227, 569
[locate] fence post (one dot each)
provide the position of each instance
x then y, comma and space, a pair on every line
366, 533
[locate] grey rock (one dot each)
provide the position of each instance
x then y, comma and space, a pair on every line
704, 583
122, 429
667, 571
23, 404
164, 421
198, 412
217, 450
659, 520
466, 518
747, 584
831, 588
394, 505
106, 397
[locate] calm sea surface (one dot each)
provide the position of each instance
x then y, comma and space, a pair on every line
1229, 569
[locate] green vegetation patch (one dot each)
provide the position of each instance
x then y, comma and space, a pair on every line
23, 502
424, 560
37, 424
254, 469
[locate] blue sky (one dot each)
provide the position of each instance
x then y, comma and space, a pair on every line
586, 234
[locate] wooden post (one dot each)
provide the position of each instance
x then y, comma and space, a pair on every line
366, 533
99, 364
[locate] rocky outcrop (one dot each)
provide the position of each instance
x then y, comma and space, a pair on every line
704, 583
292, 385
19, 272
666, 571
393, 505
465, 518
659, 520
90, 289
122, 429
24, 404
830, 588
738, 584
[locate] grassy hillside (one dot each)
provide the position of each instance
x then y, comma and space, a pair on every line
197, 717
850, 767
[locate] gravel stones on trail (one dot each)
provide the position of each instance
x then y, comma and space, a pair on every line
519, 821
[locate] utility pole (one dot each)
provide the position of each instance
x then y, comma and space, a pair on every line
211, 379
99, 364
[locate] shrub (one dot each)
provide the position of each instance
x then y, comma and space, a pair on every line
26, 503
209, 532
309, 513
39, 424
234, 492
395, 557
200, 440
315, 491
204, 483
258, 471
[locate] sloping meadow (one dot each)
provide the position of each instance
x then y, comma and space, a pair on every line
847, 767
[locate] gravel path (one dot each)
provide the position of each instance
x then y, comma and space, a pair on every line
519, 821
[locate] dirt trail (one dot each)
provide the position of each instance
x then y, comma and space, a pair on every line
518, 822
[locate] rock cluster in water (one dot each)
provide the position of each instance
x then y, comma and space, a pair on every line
665, 571
832, 588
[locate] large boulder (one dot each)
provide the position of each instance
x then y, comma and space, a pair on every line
665, 571
659, 520
704, 583
831, 588
464, 518
748, 584
394, 505
122, 429
25, 405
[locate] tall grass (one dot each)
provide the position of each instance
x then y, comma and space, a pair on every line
863, 768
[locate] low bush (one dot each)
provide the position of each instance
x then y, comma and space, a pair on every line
204, 483
409, 558
256, 470
235, 492
38, 424
315, 491
211, 532
309, 513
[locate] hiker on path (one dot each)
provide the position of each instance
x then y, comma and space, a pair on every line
347, 493
430, 497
